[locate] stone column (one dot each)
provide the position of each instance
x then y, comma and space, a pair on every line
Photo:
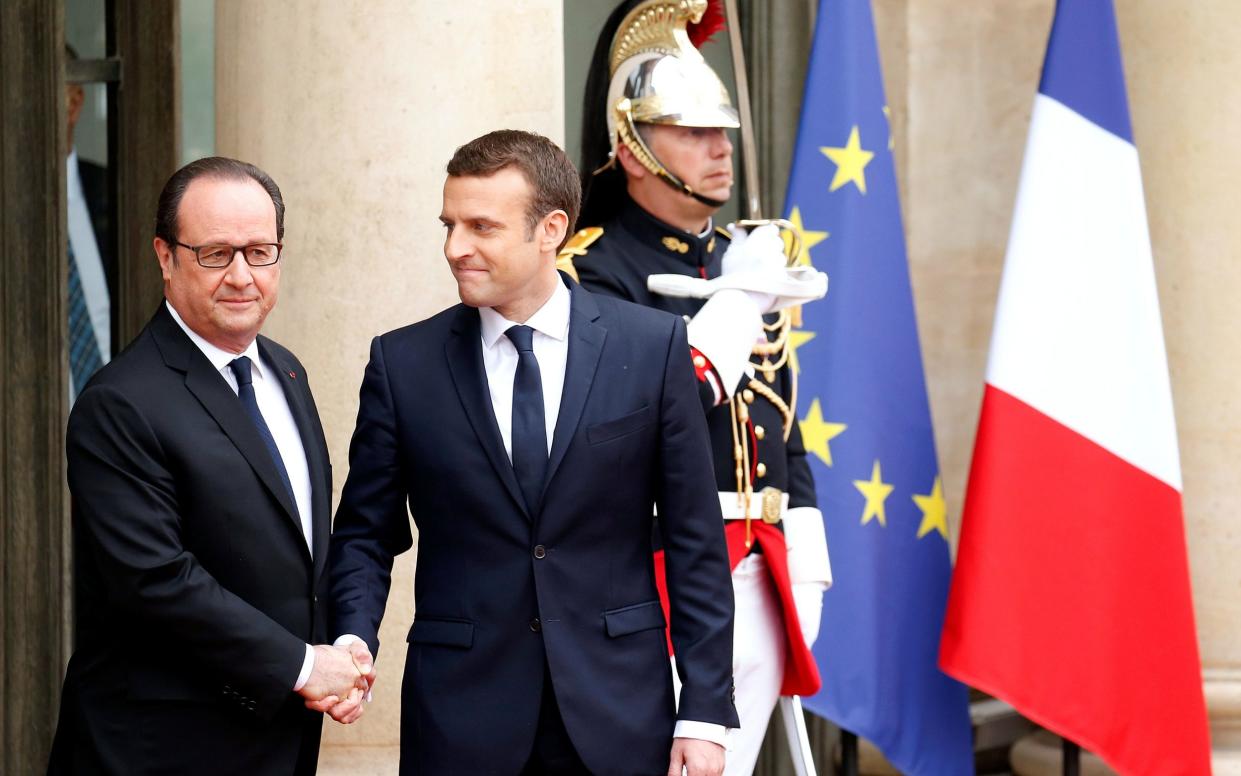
972, 70
354, 108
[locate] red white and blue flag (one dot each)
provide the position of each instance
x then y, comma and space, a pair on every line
1071, 596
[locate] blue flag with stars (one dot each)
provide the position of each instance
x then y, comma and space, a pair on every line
866, 422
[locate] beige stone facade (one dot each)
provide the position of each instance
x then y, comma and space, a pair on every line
355, 107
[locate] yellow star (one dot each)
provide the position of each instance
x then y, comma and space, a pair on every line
850, 162
934, 511
816, 432
797, 338
809, 238
876, 491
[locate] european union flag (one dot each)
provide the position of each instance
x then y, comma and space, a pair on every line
866, 422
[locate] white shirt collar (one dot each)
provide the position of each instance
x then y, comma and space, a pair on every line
551, 319
75, 175
220, 359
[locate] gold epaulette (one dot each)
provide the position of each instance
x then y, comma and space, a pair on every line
727, 235
577, 246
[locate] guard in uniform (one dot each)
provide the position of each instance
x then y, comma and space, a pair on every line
643, 218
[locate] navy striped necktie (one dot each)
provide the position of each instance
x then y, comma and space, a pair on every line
242, 367
84, 356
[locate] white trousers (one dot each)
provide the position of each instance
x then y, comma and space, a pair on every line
758, 662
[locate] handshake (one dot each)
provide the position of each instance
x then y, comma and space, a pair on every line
341, 679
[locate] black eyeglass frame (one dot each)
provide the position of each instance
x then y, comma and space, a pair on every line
233, 252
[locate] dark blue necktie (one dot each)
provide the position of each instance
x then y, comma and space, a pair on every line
529, 427
245, 392
84, 356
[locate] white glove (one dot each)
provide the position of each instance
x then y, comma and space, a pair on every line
808, 599
754, 265
810, 570
759, 251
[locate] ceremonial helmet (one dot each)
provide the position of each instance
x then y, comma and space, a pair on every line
657, 76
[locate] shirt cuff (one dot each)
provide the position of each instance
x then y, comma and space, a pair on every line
806, 539
703, 731
308, 665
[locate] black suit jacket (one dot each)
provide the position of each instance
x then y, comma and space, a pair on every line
95, 190
500, 592
196, 593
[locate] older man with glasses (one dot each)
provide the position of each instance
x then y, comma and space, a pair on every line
201, 496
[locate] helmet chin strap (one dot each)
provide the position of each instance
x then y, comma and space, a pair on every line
667, 177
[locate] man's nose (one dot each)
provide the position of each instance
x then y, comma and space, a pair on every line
239, 272
457, 244
723, 145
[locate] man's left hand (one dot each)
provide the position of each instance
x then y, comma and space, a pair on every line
698, 758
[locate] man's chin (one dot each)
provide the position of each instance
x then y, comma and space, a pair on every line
719, 193
241, 326
472, 297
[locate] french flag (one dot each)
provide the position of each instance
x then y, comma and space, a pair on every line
1071, 596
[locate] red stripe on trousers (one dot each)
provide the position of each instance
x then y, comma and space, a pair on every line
801, 673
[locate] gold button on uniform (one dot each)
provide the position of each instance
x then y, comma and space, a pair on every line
700, 362
761, 470
760, 432
748, 396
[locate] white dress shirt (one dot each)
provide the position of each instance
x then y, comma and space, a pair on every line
89, 261
279, 418
551, 348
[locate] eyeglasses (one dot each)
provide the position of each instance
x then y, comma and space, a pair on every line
220, 256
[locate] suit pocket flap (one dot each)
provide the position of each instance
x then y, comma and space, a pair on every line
611, 429
450, 633
631, 619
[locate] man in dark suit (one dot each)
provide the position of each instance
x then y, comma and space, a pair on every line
531, 430
91, 251
201, 489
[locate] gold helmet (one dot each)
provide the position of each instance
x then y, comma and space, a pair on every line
658, 77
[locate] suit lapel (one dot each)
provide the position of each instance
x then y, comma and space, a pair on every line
213, 392
465, 363
311, 433
586, 338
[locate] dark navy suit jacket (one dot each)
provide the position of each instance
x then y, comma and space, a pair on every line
501, 593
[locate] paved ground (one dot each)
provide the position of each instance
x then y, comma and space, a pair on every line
359, 761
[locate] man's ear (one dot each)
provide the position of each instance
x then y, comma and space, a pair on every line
167, 258
629, 163
552, 231
75, 96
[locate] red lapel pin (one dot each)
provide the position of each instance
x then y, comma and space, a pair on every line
293, 375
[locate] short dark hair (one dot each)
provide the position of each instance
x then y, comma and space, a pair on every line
219, 168
552, 177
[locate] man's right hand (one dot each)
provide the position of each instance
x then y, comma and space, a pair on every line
334, 679
758, 251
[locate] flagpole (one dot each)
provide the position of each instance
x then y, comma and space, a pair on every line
848, 753
1071, 757
749, 152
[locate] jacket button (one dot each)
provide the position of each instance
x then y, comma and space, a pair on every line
540, 551
535, 625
